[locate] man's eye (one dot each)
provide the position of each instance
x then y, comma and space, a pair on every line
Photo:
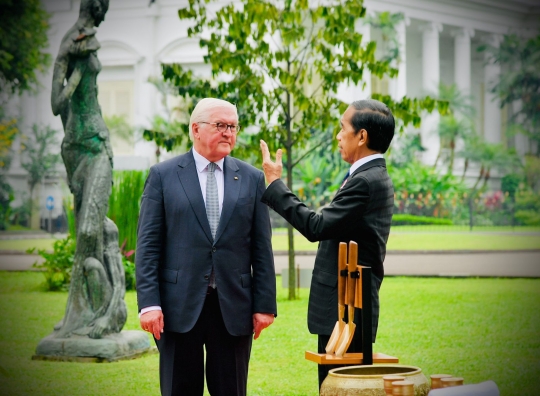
220, 125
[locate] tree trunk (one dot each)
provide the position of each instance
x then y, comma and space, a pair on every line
480, 176
465, 167
290, 230
486, 177
437, 159
34, 207
452, 154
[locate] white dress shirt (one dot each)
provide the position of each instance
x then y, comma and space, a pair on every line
363, 161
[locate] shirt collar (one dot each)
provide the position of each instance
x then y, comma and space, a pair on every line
201, 163
363, 161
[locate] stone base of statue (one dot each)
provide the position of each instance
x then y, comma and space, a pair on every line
128, 344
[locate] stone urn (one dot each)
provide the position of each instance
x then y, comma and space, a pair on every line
368, 380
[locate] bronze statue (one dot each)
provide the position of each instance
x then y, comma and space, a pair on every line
95, 304
95, 310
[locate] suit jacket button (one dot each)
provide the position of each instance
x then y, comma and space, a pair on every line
214, 250
206, 277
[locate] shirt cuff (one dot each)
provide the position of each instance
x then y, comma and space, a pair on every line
148, 309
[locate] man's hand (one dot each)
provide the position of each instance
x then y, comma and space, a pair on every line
272, 170
260, 322
152, 321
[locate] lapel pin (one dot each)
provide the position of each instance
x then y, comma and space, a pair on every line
236, 178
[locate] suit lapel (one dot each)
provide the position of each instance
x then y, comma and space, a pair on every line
365, 167
232, 181
187, 173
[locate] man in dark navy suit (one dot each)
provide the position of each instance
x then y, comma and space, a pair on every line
361, 211
205, 268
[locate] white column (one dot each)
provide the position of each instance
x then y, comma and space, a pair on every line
492, 108
398, 85
462, 59
431, 70
430, 83
145, 92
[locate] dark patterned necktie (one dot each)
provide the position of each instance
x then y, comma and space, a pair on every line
345, 179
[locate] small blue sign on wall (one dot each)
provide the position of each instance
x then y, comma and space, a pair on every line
49, 203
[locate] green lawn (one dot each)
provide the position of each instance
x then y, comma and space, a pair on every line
434, 241
23, 244
399, 240
479, 329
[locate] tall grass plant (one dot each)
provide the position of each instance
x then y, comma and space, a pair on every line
124, 204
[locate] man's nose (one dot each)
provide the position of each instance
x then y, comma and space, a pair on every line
227, 131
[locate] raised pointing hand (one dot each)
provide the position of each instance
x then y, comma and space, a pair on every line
272, 170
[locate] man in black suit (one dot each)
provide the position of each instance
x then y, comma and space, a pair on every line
361, 211
205, 268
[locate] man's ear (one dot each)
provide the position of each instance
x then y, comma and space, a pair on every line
195, 130
364, 138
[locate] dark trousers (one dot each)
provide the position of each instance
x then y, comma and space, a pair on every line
356, 343
181, 360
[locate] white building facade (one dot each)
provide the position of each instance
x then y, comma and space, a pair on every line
438, 40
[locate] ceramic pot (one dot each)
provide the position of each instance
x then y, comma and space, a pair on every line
368, 380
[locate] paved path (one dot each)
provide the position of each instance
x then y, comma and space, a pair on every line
498, 264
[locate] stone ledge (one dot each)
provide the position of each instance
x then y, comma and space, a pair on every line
151, 351
129, 344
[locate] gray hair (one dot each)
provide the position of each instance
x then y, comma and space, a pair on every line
200, 111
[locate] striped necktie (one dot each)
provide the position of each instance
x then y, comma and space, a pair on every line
212, 200
212, 208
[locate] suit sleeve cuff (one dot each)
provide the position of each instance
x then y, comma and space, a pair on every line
148, 309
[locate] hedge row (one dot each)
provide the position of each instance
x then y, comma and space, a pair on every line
408, 219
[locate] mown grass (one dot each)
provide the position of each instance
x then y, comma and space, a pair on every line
479, 329
24, 244
434, 241
399, 240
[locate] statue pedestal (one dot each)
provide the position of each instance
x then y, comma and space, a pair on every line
127, 344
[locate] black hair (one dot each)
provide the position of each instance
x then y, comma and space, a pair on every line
377, 119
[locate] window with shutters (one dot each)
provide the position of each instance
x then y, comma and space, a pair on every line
116, 101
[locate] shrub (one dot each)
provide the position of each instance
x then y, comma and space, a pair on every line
6, 197
528, 217
129, 270
420, 190
527, 208
58, 264
407, 219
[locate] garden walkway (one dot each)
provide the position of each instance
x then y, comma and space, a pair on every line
520, 263
410, 263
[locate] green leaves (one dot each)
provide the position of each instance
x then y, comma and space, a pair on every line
519, 81
57, 264
282, 64
38, 160
23, 38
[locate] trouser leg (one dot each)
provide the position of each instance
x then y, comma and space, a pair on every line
181, 363
227, 356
